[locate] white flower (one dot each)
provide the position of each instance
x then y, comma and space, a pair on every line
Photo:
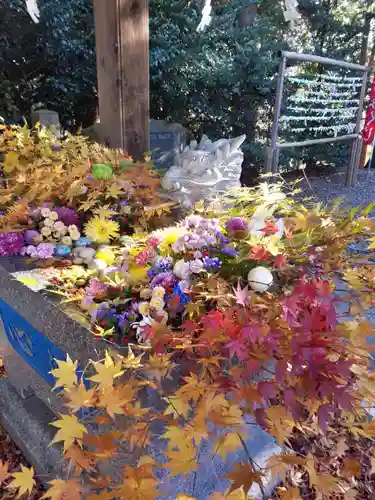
57, 235
73, 228
66, 240
146, 293
157, 303
196, 266
182, 269
158, 291
54, 216
75, 235
58, 226
45, 212
46, 231
48, 222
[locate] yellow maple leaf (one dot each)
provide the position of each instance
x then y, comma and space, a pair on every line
177, 437
23, 481
11, 161
65, 374
326, 483
234, 495
107, 371
182, 496
70, 431
227, 444
114, 400
279, 464
114, 192
193, 389
177, 407
59, 489
182, 461
79, 397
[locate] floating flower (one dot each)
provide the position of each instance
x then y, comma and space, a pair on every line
138, 274
168, 237
158, 291
75, 235
106, 254
58, 226
146, 293
45, 250
157, 303
46, 231
29, 250
196, 266
182, 269
11, 243
82, 242
144, 308
95, 288
237, 227
48, 222
211, 264
68, 216
54, 216
45, 212
72, 228
102, 230
67, 240
30, 235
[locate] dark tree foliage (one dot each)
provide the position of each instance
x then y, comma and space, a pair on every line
220, 82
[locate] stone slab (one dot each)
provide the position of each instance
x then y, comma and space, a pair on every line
167, 140
26, 421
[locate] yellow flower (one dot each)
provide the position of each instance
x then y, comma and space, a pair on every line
168, 237
138, 274
158, 291
102, 230
157, 303
106, 254
144, 308
54, 216
66, 240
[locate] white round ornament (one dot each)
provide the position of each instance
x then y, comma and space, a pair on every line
260, 279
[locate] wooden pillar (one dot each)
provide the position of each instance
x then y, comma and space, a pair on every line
122, 55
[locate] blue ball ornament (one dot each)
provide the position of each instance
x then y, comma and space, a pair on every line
63, 250
83, 241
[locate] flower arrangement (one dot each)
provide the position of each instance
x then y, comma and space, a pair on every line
242, 291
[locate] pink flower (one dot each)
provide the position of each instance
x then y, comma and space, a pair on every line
95, 288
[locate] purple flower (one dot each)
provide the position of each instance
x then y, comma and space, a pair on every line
45, 250
211, 264
95, 288
68, 216
30, 235
164, 264
237, 227
31, 251
11, 244
163, 279
229, 251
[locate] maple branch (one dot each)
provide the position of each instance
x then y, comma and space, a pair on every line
253, 464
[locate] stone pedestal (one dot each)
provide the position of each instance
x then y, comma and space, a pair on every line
47, 118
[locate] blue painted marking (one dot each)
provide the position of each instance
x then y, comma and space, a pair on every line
35, 348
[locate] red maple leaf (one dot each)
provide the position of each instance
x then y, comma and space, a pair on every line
270, 228
280, 261
259, 253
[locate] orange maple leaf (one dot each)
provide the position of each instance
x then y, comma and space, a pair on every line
289, 494
193, 389
4, 472
59, 489
79, 397
243, 476
80, 459
115, 399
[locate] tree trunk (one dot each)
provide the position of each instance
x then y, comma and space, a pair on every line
363, 60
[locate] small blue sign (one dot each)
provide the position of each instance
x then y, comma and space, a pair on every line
35, 348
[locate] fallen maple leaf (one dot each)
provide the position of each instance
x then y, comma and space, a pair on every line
80, 459
182, 461
70, 489
289, 494
65, 374
107, 371
23, 481
351, 468
79, 397
4, 472
243, 476
115, 400
241, 294
70, 430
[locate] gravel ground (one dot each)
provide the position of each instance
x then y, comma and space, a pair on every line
332, 185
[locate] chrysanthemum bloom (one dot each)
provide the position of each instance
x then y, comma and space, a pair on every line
68, 216
11, 243
237, 227
102, 230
